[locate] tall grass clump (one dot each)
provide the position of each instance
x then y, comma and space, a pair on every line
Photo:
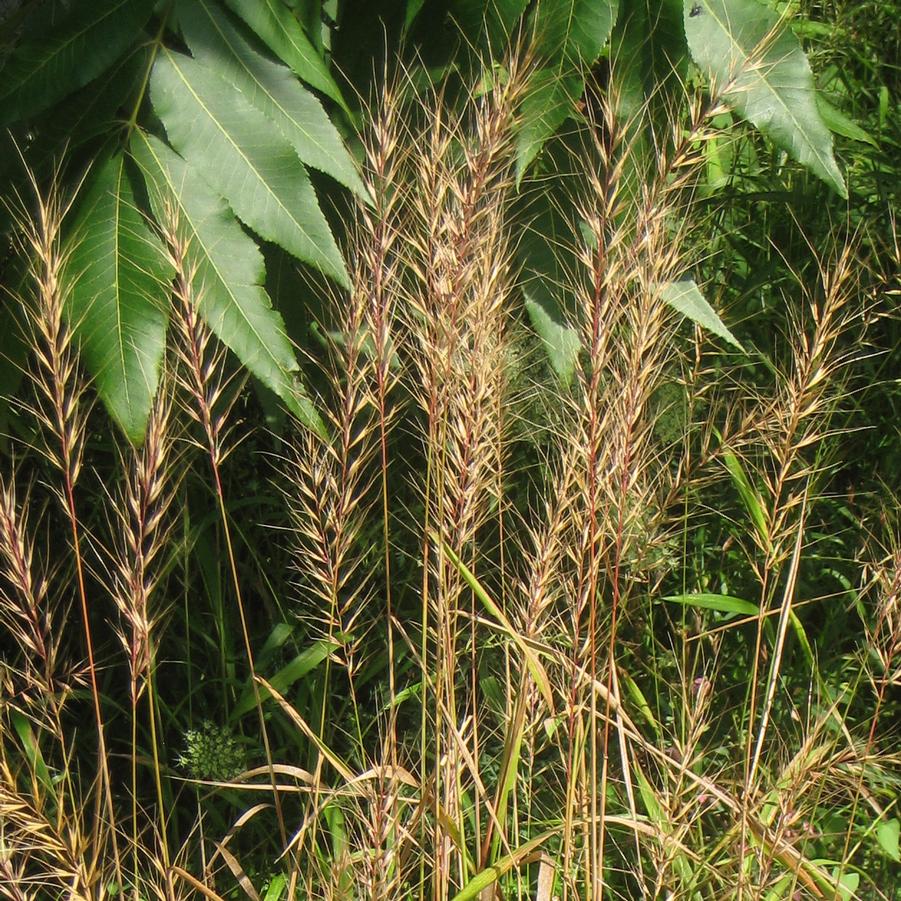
484, 634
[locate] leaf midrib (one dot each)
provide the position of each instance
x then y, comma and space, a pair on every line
275, 102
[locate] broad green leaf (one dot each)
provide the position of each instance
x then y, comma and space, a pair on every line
236, 150
278, 28
648, 62
573, 31
561, 341
723, 603
569, 37
686, 298
887, 833
548, 302
32, 749
640, 701
847, 883
493, 22
270, 88
550, 99
228, 272
277, 886
45, 69
90, 112
303, 664
758, 67
413, 8
118, 276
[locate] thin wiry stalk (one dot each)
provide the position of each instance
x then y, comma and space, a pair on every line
378, 251
145, 530
24, 610
797, 422
330, 495
201, 377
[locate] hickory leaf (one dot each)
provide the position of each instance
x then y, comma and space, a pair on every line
117, 275
271, 88
227, 271
236, 150
757, 66
570, 35
573, 31
45, 68
278, 28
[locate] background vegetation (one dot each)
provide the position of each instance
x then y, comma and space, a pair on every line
450, 449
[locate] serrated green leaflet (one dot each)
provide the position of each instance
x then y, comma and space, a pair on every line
240, 155
494, 21
270, 87
685, 297
759, 68
228, 272
549, 101
277, 27
561, 341
117, 276
570, 35
575, 29
86, 42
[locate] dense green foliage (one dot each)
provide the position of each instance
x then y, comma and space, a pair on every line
555, 553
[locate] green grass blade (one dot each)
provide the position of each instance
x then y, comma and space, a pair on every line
532, 662
722, 603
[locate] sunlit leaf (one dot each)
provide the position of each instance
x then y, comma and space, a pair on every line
228, 272
238, 152
887, 834
292, 672
722, 603
270, 88
685, 297
277, 26
118, 278
757, 66
575, 31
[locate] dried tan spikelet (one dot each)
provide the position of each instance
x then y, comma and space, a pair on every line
153, 474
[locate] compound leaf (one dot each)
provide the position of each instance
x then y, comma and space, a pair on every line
237, 151
46, 68
228, 271
279, 29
